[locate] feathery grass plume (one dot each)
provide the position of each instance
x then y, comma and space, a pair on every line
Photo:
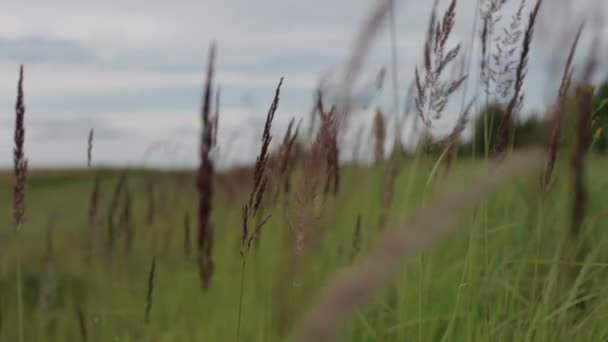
379, 132
20, 171
356, 286
20, 162
251, 210
151, 205
82, 323
432, 90
557, 115
286, 155
216, 117
356, 243
520, 73
312, 123
451, 140
93, 220
187, 236
307, 229
581, 147
260, 181
90, 148
150, 292
112, 209
204, 182
498, 65
327, 138
125, 221
362, 45
489, 10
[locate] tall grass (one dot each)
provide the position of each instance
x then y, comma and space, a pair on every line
401, 250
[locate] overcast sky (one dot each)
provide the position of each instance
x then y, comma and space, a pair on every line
134, 70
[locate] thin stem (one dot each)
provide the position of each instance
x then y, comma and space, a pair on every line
238, 324
393, 36
19, 291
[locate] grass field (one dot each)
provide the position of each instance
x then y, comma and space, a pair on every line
442, 239
502, 277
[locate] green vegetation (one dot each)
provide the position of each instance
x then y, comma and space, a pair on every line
502, 277
143, 255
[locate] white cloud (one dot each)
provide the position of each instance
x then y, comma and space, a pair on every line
138, 66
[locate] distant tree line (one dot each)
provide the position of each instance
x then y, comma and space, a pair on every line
531, 129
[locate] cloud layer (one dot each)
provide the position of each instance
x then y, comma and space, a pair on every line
134, 70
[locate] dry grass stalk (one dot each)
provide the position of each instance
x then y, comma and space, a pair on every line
149, 293
285, 158
489, 11
216, 117
112, 209
362, 44
432, 91
125, 221
287, 143
306, 213
581, 146
260, 181
90, 148
93, 220
520, 73
451, 140
387, 193
379, 132
356, 243
204, 182
327, 140
356, 286
558, 113
499, 65
151, 205
251, 210
20, 162
187, 242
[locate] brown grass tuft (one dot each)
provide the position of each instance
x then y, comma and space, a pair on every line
20, 162
379, 133
204, 182
90, 148
327, 142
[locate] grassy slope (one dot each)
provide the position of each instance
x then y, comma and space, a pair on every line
498, 279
